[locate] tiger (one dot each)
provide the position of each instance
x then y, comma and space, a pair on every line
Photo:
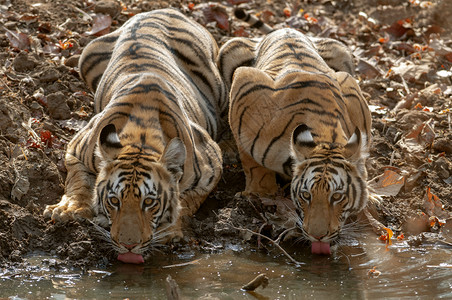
336, 55
293, 115
148, 158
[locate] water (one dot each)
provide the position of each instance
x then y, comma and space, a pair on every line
421, 272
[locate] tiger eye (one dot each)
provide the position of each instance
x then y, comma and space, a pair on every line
114, 201
336, 196
148, 201
306, 195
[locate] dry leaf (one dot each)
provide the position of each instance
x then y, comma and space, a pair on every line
409, 71
420, 138
387, 184
18, 40
214, 12
373, 272
27, 19
241, 32
446, 230
433, 206
236, 2
439, 47
101, 25
399, 28
367, 70
378, 109
386, 237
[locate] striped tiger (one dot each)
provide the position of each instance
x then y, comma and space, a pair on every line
336, 55
291, 114
149, 156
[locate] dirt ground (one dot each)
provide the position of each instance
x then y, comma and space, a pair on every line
403, 54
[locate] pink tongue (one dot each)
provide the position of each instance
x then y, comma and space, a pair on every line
320, 248
131, 258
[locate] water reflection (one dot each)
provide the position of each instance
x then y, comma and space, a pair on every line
406, 272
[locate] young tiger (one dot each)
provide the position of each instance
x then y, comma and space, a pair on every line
292, 114
335, 54
148, 157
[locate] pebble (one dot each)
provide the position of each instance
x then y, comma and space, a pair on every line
23, 63
58, 108
111, 8
443, 145
72, 61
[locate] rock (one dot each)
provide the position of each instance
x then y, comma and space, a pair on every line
58, 107
6, 118
72, 61
23, 63
111, 8
49, 75
20, 188
443, 145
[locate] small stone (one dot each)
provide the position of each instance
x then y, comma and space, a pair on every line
58, 108
72, 61
23, 63
111, 8
443, 145
20, 188
49, 75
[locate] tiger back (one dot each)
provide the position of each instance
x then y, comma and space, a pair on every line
150, 150
292, 114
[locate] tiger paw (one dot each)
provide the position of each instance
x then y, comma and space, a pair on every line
173, 234
69, 208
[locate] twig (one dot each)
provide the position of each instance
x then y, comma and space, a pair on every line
82, 12
448, 118
407, 90
283, 233
172, 289
5, 85
391, 161
182, 264
348, 260
272, 241
260, 279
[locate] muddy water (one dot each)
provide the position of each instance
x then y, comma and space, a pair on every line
422, 272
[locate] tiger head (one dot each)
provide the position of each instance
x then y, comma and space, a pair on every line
328, 185
138, 194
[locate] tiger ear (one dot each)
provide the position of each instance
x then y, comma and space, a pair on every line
302, 142
109, 143
353, 146
174, 157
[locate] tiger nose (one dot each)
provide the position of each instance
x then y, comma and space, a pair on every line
319, 237
129, 246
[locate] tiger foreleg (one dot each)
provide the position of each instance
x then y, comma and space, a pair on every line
259, 180
77, 200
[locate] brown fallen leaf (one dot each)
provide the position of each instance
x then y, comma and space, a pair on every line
101, 25
367, 70
446, 230
214, 12
420, 138
386, 237
400, 28
433, 206
387, 184
18, 40
373, 272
